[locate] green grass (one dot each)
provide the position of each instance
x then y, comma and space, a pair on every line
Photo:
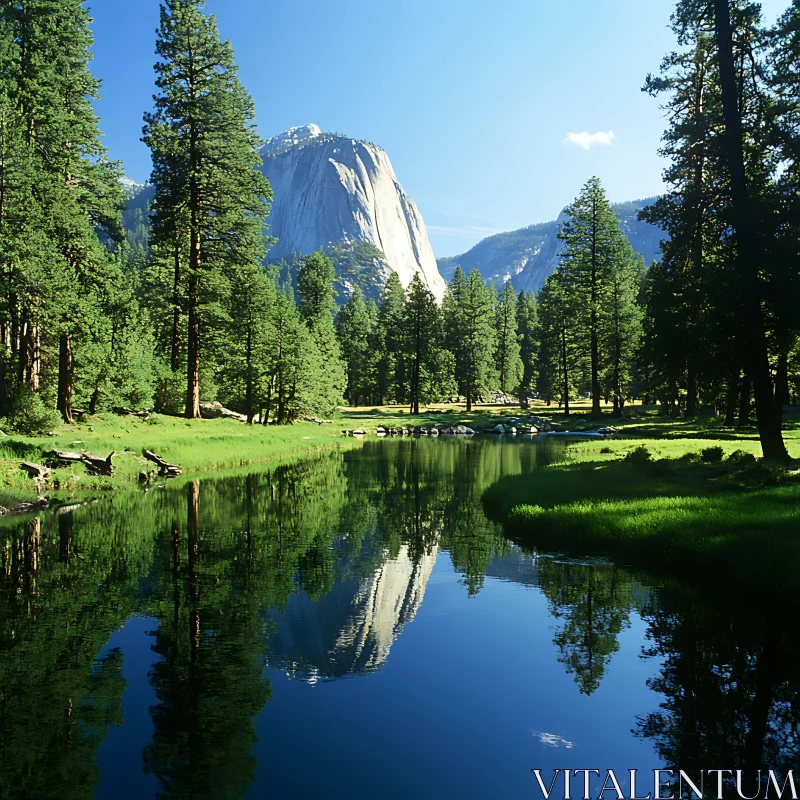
729, 521
197, 446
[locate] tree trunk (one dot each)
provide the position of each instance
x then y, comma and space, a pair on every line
744, 401
692, 404
565, 370
65, 378
193, 362
731, 399
175, 355
782, 383
248, 395
94, 400
749, 253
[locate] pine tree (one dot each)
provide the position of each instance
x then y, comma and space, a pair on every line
354, 330
315, 287
470, 317
622, 323
205, 157
562, 357
689, 213
429, 364
750, 251
509, 362
528, 327
591, 237
248, 339
391, 375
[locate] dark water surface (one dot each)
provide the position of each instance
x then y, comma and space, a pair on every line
354, 627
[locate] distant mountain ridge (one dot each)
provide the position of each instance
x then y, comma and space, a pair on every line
528, 256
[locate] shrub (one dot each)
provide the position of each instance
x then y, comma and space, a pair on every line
660, 468
713, 455
606, 450
170, 392
763, 473
741, 457
639, 456
29, 415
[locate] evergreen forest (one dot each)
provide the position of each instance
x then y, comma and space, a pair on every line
184, 310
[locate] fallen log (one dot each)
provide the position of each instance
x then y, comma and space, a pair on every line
165, 469
63, 455
97, 465
129, 412
36, 471
317, 421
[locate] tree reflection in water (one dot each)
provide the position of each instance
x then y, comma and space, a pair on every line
316, 567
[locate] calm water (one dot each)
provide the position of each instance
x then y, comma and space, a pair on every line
355, 627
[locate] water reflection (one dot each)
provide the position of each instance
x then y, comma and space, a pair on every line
317, 569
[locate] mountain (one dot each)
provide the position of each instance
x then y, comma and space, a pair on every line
350, 630
529, 255
340, 194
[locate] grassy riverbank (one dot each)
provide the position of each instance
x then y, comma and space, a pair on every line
196, 446
700, 505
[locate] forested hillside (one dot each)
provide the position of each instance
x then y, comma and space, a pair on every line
529, 255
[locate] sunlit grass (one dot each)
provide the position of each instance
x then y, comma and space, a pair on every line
197, 446
735, 521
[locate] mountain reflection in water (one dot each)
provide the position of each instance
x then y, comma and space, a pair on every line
479, 659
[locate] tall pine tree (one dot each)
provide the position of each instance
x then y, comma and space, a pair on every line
509, 362
205, 158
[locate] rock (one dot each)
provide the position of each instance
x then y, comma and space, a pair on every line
513, 430
381, 430
434, 431
609, 431
359, 432
331, 189
498, 429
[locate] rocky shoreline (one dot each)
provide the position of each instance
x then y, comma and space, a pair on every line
514, 426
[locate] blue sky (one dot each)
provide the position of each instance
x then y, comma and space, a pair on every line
473, 101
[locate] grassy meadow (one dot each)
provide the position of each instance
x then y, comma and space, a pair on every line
671, 495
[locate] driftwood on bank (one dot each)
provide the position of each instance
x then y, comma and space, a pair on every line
25, 508
36, 471
165, 469
97, 465
317, 421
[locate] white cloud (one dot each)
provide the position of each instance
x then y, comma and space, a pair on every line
586, 140
553, 740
